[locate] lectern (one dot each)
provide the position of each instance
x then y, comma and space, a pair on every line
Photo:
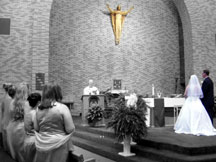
87, 101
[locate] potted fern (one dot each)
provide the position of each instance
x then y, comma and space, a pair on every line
128, 121
95, 114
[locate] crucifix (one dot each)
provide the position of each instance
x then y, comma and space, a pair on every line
117, 17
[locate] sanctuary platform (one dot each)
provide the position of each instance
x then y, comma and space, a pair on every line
161, 144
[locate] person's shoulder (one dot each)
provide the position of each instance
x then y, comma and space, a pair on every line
208, 79
11, 105
62, 108
7, 99
30, 114
32, 111
12, 102
61, 105
87, 87
205, 80
27, 107
27, 103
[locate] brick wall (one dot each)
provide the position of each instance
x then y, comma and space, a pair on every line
187, 36
82, 46
203, 23
80, 41
199, 24
26, 50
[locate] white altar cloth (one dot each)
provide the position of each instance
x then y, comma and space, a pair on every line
168, 102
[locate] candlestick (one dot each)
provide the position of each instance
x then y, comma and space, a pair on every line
153, 90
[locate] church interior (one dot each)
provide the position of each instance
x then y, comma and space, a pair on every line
69, 42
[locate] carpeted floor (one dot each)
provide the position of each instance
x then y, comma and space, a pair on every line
5, 157
88, 155
161, 144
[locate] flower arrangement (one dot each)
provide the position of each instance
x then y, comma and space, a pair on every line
95, 114
128, 118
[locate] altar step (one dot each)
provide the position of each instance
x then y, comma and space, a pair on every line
110, 152
104, 143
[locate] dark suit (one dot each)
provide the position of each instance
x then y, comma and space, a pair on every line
208, 96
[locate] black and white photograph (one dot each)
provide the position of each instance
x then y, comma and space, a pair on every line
107, 80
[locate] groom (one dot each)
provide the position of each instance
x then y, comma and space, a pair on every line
208, 94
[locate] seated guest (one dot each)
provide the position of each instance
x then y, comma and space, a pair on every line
15, 128
91, 89
29, 143
9, 94
54, 127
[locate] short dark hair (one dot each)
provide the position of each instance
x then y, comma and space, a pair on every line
206, 71
6, 86
33, 99
12, 91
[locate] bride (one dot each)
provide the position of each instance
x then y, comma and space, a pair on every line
193, 118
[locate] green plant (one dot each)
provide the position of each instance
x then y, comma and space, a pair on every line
95, 114
129, 120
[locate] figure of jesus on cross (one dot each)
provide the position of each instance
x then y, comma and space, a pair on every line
118, 17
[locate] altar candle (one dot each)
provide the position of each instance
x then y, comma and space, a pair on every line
153, 90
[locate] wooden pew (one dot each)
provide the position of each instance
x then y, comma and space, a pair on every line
76, 157
1, 140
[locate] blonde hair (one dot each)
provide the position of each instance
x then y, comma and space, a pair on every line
19, 101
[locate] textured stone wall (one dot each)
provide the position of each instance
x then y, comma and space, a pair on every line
187, 37
82, 46
26, 50
199, 24
203, 23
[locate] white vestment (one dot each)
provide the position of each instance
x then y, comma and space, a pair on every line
91, 91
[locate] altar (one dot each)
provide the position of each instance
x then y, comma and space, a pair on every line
156, 112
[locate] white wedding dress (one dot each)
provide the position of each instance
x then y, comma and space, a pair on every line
193, 117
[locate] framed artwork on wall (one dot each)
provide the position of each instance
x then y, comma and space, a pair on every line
4, 26
117, 84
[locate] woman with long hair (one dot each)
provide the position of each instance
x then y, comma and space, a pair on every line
15, 128
54, 127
